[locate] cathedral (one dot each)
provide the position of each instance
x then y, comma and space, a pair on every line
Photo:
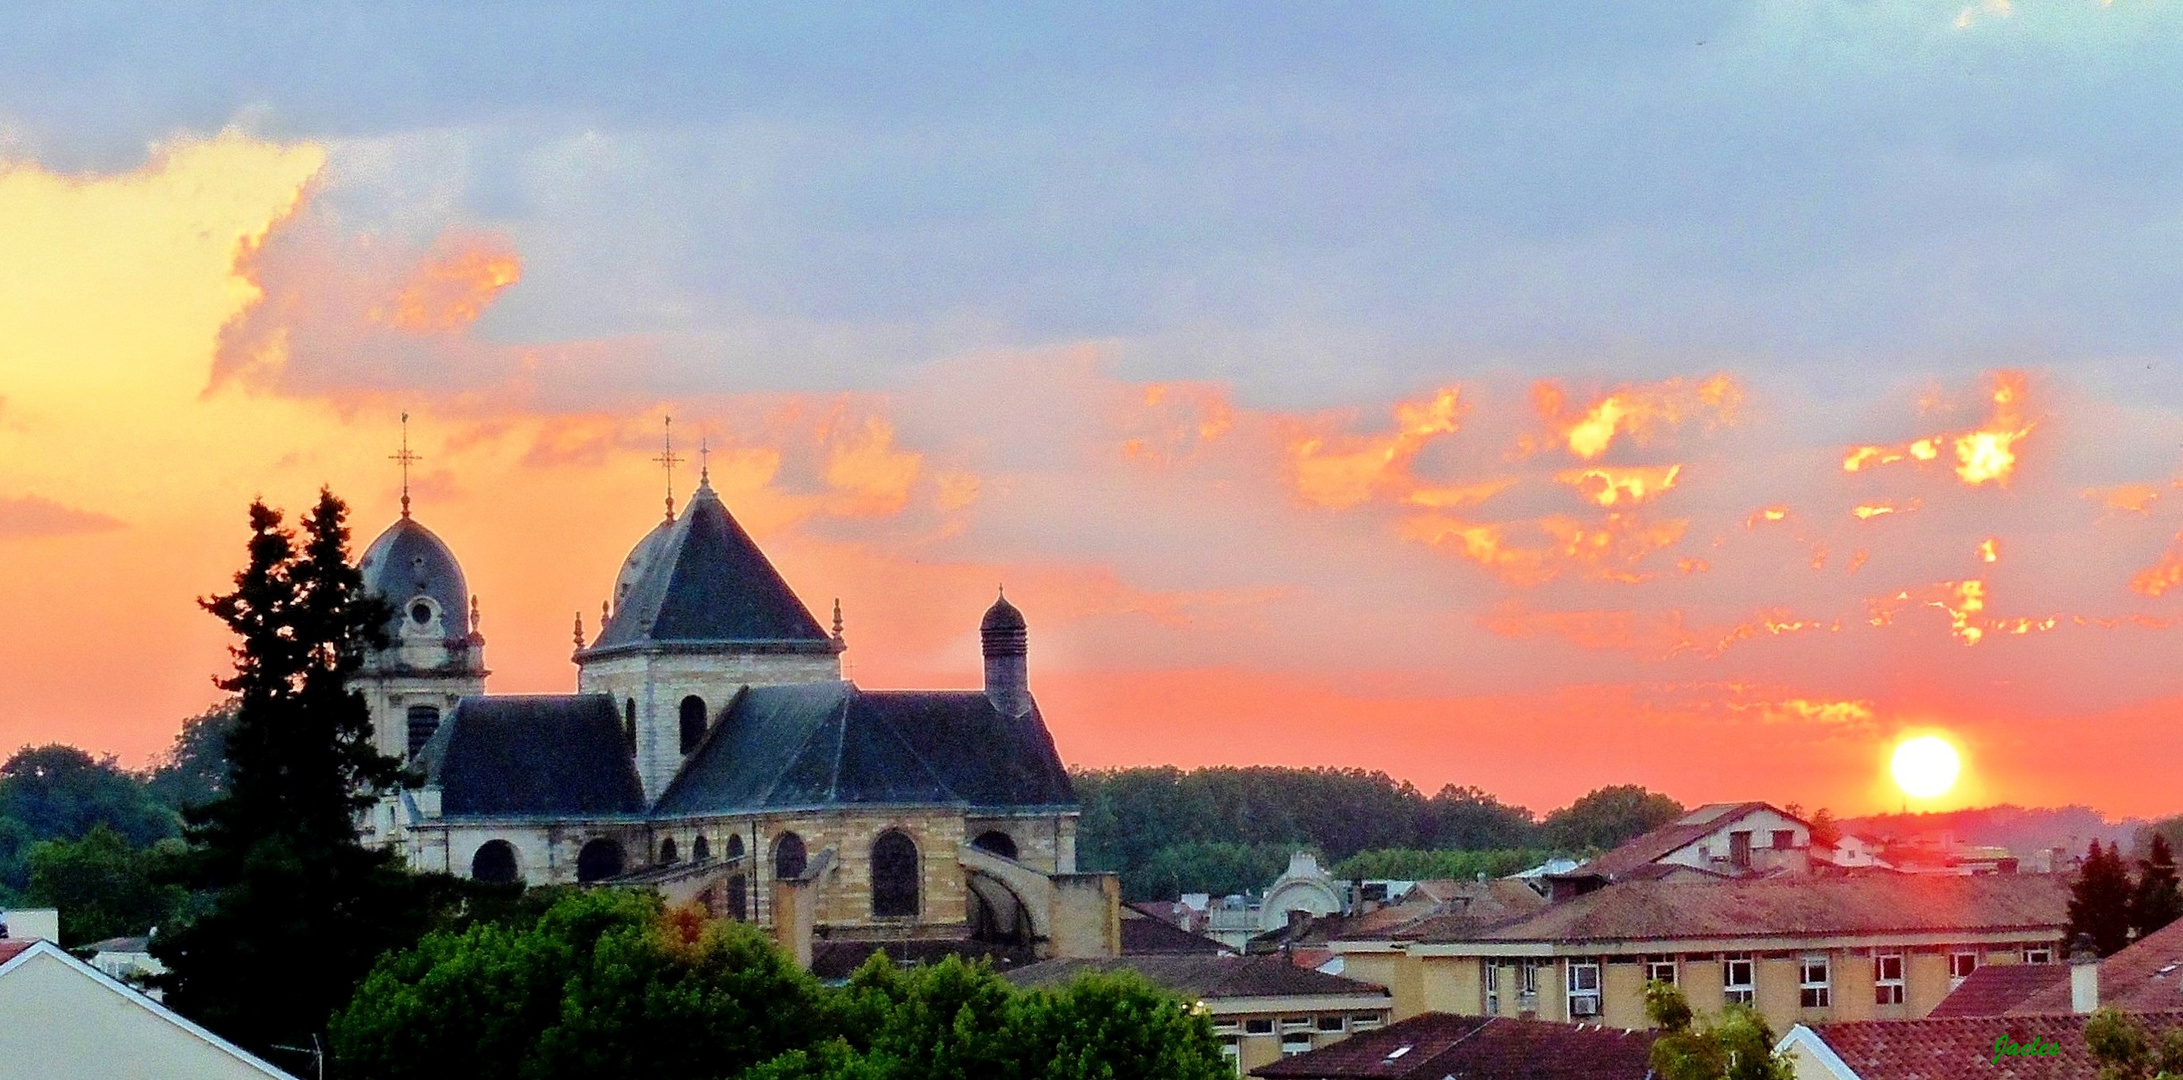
713, 752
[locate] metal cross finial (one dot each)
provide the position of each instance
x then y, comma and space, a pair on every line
406, 459
668, 461
704, 461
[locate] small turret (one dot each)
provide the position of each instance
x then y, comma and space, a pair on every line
1007, 658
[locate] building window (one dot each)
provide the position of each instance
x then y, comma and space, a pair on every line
1812, 980
1661, 969
2038, 954
495, 862
668, 853
894, 874
1296, 1023
1261, 1026
693, 722
738, 898
788, 856
1364, 1021
1784, 839
1960, 967
1583, 988
1738, 987
598, 860
997, 842
1296, 1043
1226, 1026
629, 726
1739, 849
423, 721
1331, 1023
1887, 978
735, 846
1231, 1048
701, 850
1493, 988
1527, 985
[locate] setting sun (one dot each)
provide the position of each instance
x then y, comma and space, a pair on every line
1925, 767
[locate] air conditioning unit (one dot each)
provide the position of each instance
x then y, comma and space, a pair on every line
1584, 1006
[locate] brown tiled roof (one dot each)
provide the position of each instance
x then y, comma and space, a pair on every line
1997, 989
1780, 907
1468, 904
2146, 977
1675, 834
11, 947
1953, 1047
1145, 934
1435, 1045
1202, 977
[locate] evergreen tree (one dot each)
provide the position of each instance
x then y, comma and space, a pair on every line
2100, 900
300, 909
2156, 901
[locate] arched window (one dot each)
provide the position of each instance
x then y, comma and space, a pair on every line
701, 850
423, 721
693, 722
599, 860
667, 852
735, 845
738, 898
788, 856
629, 726
495, 862
997, 842
894, 874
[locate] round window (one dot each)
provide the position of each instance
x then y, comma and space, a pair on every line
420, 613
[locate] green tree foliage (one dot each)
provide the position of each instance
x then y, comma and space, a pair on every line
58, 792
299, 910
2155, 900
2100, 900
103, 887
1211, 867
2127, 1051
1131, 815
1738, 1045
1605, 818
1409, 864
193, 771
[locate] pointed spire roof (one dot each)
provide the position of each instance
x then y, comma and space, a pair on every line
707, 584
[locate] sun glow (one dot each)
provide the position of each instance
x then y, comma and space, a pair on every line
1926, 766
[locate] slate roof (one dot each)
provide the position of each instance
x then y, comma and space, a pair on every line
1779, 907
1997, 989
520, 755
1145, 934
1205, 978
408, 560
832, 743
1664, 840
1953, 1047
1435, 1045
706, 583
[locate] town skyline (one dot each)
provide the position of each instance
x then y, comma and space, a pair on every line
1545, 421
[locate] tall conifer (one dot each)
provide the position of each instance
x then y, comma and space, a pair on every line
2099, 900
2156, 902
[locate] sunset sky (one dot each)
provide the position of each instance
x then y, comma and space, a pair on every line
1701, 395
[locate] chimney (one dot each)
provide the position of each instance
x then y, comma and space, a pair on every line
1007, 658
2084, 975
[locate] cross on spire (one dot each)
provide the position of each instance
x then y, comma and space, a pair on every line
704, 461
668, 461
405, 459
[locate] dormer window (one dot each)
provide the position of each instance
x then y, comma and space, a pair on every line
420, 613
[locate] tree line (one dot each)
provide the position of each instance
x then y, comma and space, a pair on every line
1226, 830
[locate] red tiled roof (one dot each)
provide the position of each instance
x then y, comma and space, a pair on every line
1998, 989
1951, 1047
10, 948
1667, 838
1780, 907
1436, 1045
2146, 977
1145, 934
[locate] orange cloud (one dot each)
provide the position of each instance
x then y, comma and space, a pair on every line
864, 465
1637, 411
2125, 498
1340, 471
1608, 485
452, 286
2163, 575
1987, 453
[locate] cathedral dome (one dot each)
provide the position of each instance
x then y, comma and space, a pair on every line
1002, 616
640, 559
417, 573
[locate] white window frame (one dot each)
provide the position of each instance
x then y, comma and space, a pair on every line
1582, 1000
1493, 988
1888, 989
2038, 954
1665, 969
1957, 972
1253, 1026
1815, 993
1739, 993
1297, 1042
1321, 1022
1527, 985
1232, 1049
1290, 1024
1364, 1021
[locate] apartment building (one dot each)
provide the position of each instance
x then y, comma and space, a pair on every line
1800, 949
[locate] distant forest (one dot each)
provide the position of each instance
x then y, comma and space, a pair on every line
1229, 830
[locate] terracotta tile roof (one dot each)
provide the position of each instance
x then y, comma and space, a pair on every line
10, 948
1953, 1047
1658, 843
1203, 977
1996, 990
1436, 1045
1466, 905
1146, 934
1779, 907
2146, 977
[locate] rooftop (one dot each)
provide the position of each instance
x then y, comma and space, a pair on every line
2146, 977
1948, 1047
1666, 839
1206, 978
705, 583
1436, 1045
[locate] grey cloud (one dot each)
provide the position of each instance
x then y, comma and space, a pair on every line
36, 516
